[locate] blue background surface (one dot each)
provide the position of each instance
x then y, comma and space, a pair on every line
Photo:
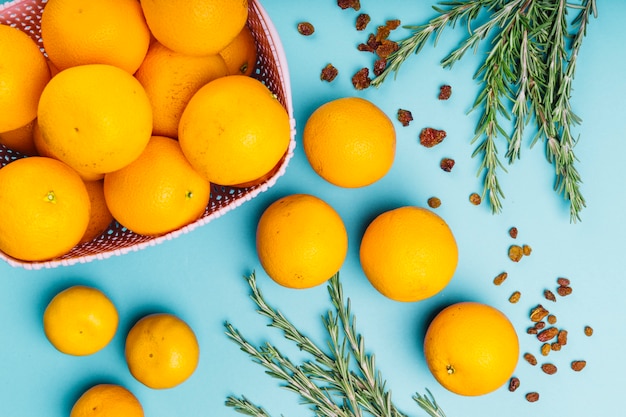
199, 276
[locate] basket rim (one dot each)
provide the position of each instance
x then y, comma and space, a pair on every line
283, 73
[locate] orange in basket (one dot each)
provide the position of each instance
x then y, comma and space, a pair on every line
270, 68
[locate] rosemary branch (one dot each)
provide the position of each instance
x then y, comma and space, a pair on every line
526, 76
343, 382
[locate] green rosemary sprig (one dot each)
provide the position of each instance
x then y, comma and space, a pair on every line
342, 382
526, 76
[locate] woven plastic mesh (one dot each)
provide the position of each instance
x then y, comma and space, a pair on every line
271, 69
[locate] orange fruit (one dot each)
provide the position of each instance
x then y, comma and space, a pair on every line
408, 253
21, 139
96, 118
44, 208
158, 192
107, 400
80, 320
75, 32
43, 150
471, 348
202, 27
301, 241
349, 142
170, 79
100, 217
240, 54
23, 75
234, 130
161, 351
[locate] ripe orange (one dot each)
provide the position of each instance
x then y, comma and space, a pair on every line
408, 254
107, 400
23, 75
161, 351
471, 348
80, 320
301, 241
158, 192
96, 118
75, 32
21, 139
241, 53
100, 217
44, 208
170, 79
349, 142
202, 27
234, 130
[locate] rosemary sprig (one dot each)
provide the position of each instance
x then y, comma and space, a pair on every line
526, 76
342, 382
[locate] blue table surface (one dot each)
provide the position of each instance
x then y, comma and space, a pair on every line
198, 276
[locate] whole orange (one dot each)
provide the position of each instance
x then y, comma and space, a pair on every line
234, 130
408, 253
75, 32
202, 27
80, 320
158, 192
96, 118
349, 142
241, 53
107, 400
44, 208
161, 351
171, 79
301, 241
100, 216
471, 348
23, 75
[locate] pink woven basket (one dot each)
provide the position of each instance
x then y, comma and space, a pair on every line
271, 69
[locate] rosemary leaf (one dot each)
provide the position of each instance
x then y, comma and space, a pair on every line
343, 382
526, 75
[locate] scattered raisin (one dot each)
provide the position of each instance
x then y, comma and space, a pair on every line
405, 117
578, 365
562, 337
530, 358
430, 137
362, 21
545, 349
379, 66
434, 202
526, 250
445, 91
513, 232
329, 72
564, 291
563, 282
446, 164
514, 298
515, 253
475, 199
538, 313
540, 325
532, 397
393, 24
549, 368
364, 47
499, 279
386, 48
346, 4
361, 79
549, 295
306, 28
551, 319
556, 346
514, 384
588, 330
532, 330
548, 334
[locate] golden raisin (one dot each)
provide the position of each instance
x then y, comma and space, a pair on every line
578, 365
549, 368
306, 28
545, 349
475, 199
588, 330
515, 297
530, 358
515, 253
526, 250
551, 319
434, 202
499, 279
